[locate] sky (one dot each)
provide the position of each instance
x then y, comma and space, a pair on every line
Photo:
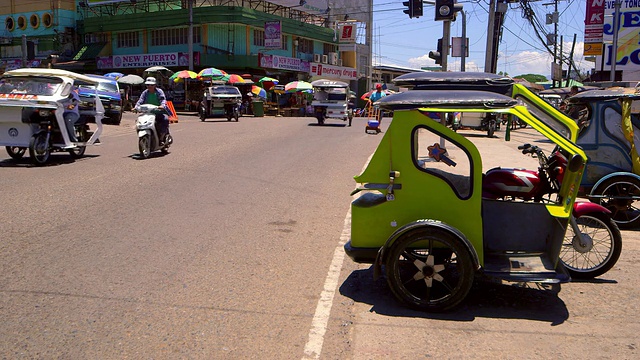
401, 41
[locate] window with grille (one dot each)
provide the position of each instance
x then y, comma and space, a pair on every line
258, 37
174, 36
128, 39
328, 48
305, 46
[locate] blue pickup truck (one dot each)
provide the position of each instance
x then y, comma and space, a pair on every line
109, 93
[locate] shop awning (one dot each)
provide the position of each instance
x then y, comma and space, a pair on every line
89, 51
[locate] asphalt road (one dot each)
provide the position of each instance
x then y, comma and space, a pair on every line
229, 247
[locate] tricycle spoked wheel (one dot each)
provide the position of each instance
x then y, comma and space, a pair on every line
596, 252
429, 270
16, 152
144, 145
78, 152
39, 150
616, 194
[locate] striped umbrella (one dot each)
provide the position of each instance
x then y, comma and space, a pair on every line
184, 74
258, 91
115, 75
233, 78
268, 82
298, 86
212, 73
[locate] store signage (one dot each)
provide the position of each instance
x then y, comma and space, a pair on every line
347, 33
146, 60
593, 24
628, 54
272, 35
333, 72
282, 63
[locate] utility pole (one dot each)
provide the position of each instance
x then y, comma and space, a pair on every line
446, 34
190, 35
614, 49
464, 41
488, 56
555, 41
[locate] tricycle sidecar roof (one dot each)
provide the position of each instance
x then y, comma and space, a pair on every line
438, 98
51, 72
604, 95
324, 83
452, 80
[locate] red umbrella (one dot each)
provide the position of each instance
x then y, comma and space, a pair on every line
233, 78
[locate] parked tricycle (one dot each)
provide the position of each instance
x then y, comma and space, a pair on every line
421, 211
31, 113
593, 242
331, 100
610, 136
220, 101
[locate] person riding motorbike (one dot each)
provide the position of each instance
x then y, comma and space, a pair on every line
71, 113
155, 96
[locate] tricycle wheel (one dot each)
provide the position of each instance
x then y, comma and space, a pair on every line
16, 152
596, 252
492, 128
78, 152
429, 270
39, 150
144, 146
616, 194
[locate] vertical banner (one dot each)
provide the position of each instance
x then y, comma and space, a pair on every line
593, 26
272, 35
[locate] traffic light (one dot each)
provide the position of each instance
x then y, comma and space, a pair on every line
446, 10
417, 8
437, 55
409, 10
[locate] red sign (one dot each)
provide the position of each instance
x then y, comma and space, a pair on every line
593, 24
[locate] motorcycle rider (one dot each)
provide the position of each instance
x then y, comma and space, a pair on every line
155, 96
71, 113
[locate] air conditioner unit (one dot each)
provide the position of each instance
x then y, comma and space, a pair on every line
325, 59
339, 62
317, 58
333, 58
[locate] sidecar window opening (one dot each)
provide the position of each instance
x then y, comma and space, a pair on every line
29, 85
459, 177
545, 118
612, 126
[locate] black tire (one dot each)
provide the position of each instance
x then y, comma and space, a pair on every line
39, 149
429, 269
617, 193
144, 146
168, 140
599, 250
320, 120
492, 128
78, 152
201, 113
16, 152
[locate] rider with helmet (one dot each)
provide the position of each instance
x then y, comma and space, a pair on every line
155, 96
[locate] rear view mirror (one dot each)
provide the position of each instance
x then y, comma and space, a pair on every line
575, 163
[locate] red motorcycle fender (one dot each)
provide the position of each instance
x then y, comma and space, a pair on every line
584, 207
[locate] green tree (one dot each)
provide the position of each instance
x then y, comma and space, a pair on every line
532, 78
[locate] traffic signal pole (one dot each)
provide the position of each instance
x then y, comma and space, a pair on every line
446, 34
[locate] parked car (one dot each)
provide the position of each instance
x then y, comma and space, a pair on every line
109, 92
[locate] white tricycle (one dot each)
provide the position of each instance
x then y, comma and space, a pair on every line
31, 114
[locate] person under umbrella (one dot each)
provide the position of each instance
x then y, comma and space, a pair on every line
375, 96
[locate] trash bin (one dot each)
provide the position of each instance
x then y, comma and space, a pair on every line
258, 109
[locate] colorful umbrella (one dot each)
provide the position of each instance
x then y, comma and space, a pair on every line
233, 78
157, 69
184, 74
258, 91
212, 73
298, 86
115, 75
367, 95
268, 82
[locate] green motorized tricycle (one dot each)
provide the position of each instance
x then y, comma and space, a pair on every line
420, 210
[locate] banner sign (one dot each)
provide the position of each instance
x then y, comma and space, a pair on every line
333, 72
146, 60
282, 63
628, 54
593, 27
272, 35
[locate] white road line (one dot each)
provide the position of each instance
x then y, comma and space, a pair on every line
313, 348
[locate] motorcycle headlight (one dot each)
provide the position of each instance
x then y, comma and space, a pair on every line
45, 112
